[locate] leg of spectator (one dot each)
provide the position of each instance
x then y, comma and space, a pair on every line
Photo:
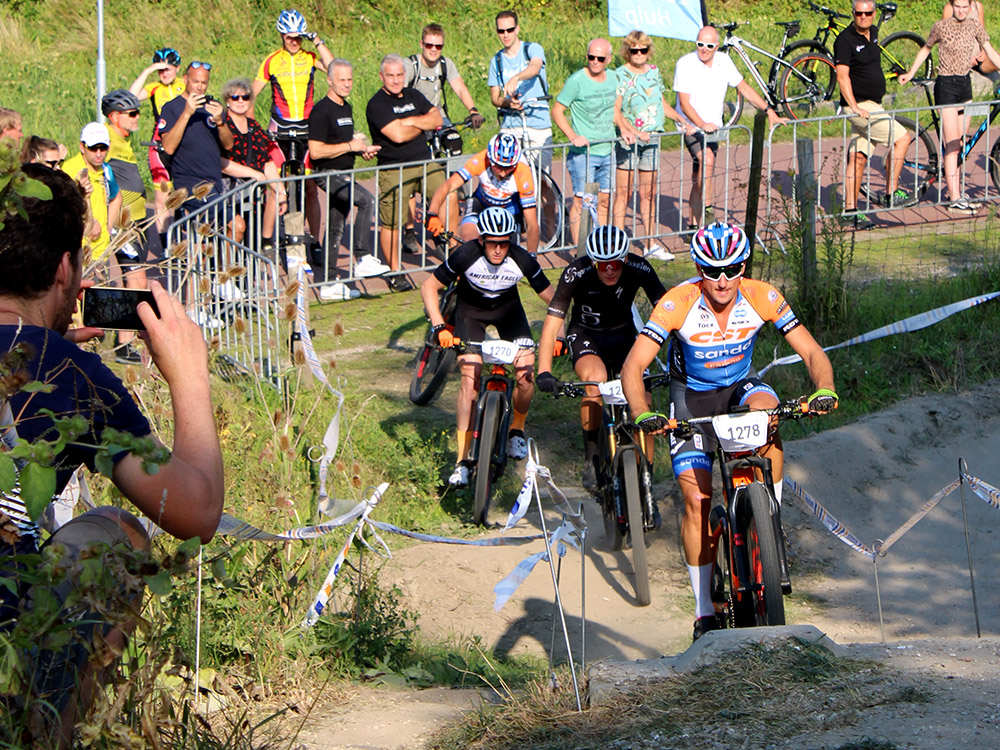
575, 210
314, 213
604, 208
623, 192
897, 158
952, 127
853, 175
646, 208
707, 191
694, 199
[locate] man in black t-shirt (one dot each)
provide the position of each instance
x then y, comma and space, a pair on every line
857, 58
601, 286
397, 118
334, 144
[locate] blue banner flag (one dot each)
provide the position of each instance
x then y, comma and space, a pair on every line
673, 19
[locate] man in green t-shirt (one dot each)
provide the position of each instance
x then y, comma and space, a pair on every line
589, 95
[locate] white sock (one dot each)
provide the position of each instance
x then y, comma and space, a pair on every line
701, 584
777, 491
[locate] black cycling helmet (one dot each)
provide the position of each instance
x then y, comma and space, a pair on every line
119, 100
167, 55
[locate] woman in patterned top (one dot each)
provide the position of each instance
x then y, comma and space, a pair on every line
254, 154
962, 38
640, 110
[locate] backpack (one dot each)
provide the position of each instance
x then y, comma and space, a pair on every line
442, 79
527, 58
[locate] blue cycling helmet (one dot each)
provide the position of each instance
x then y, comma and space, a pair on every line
496, 222
607, 243
167, 55
291, 22
503, 150
720, 245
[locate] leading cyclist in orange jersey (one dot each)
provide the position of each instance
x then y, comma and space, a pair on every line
712, 322
291, 71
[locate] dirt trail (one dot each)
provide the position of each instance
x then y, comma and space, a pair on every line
872, 475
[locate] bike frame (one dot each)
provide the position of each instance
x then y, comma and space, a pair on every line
622, 446
834, 25
768, 88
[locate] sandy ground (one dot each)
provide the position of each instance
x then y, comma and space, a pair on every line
872, 475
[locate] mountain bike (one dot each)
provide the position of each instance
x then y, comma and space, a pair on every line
899, 49
551, 208
797, 87
435, 362
920, 169
488, 450
293, 222
624, 487
751, 565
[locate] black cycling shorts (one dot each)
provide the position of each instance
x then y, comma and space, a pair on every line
953, 89
698, 451
611, 346
510, 321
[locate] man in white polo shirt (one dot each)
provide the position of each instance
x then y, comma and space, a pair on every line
701, 80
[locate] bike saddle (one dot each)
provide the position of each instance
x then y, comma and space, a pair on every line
791, 27
888, 9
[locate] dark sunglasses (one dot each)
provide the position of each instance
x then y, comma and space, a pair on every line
241, 97
131, 113
639, 50
497, 243
507, 31
293, 38
599, 58
98, 147
168, 55
731, 273
707, 45
860, 13
200, 64
54, 164
428, 45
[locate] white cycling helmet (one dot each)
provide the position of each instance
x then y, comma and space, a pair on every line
496, 222
607, 244
291, 22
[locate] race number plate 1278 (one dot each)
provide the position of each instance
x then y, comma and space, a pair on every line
741, 432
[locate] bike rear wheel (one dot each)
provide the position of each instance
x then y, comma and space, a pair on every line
899, 50
551, 212
637, 536
485, 447
995, 164
807, 87
920, 168
762, 554
732, 107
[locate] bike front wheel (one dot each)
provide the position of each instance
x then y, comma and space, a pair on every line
434, 363
485, 447
807, 86
995, 164
637, 536
762, 554
899, 50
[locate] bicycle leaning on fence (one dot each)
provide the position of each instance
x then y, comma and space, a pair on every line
624, 485
751, 565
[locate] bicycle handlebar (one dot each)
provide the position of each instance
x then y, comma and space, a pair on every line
507, 111
826, 11
794, 409
576, 389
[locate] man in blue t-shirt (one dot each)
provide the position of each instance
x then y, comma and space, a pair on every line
41, 264
516, 79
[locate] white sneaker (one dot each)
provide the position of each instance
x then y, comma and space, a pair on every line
658, 253
338, 290
369, 265
517, 446
460, 476
204, 320
228, 291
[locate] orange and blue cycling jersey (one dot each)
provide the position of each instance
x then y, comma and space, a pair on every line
500, 191
703, 355
291, 79
160, 94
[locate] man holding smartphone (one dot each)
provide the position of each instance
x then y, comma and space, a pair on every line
40, 282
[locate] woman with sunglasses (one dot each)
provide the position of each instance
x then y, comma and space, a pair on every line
254, 155
712, 322
601, 287
640, 111
40, 150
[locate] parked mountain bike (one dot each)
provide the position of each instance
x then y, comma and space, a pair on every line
920, 168
796, 87
751, 566
435, 362
899, 49
551, 208
492, 421
624, 486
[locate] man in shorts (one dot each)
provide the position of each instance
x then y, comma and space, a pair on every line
858, 62
40, 280
701, 79
397, 118
589, 96
712, 322
488, 270
517, 79
601, 286
504, 180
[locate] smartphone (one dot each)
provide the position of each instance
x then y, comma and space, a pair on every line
115, 308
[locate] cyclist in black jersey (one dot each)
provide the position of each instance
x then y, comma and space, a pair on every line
602, 286
488, 270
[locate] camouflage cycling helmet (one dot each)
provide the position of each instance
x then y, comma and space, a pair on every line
720, 245
607, 243
291, 22
503, 150
119, 100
